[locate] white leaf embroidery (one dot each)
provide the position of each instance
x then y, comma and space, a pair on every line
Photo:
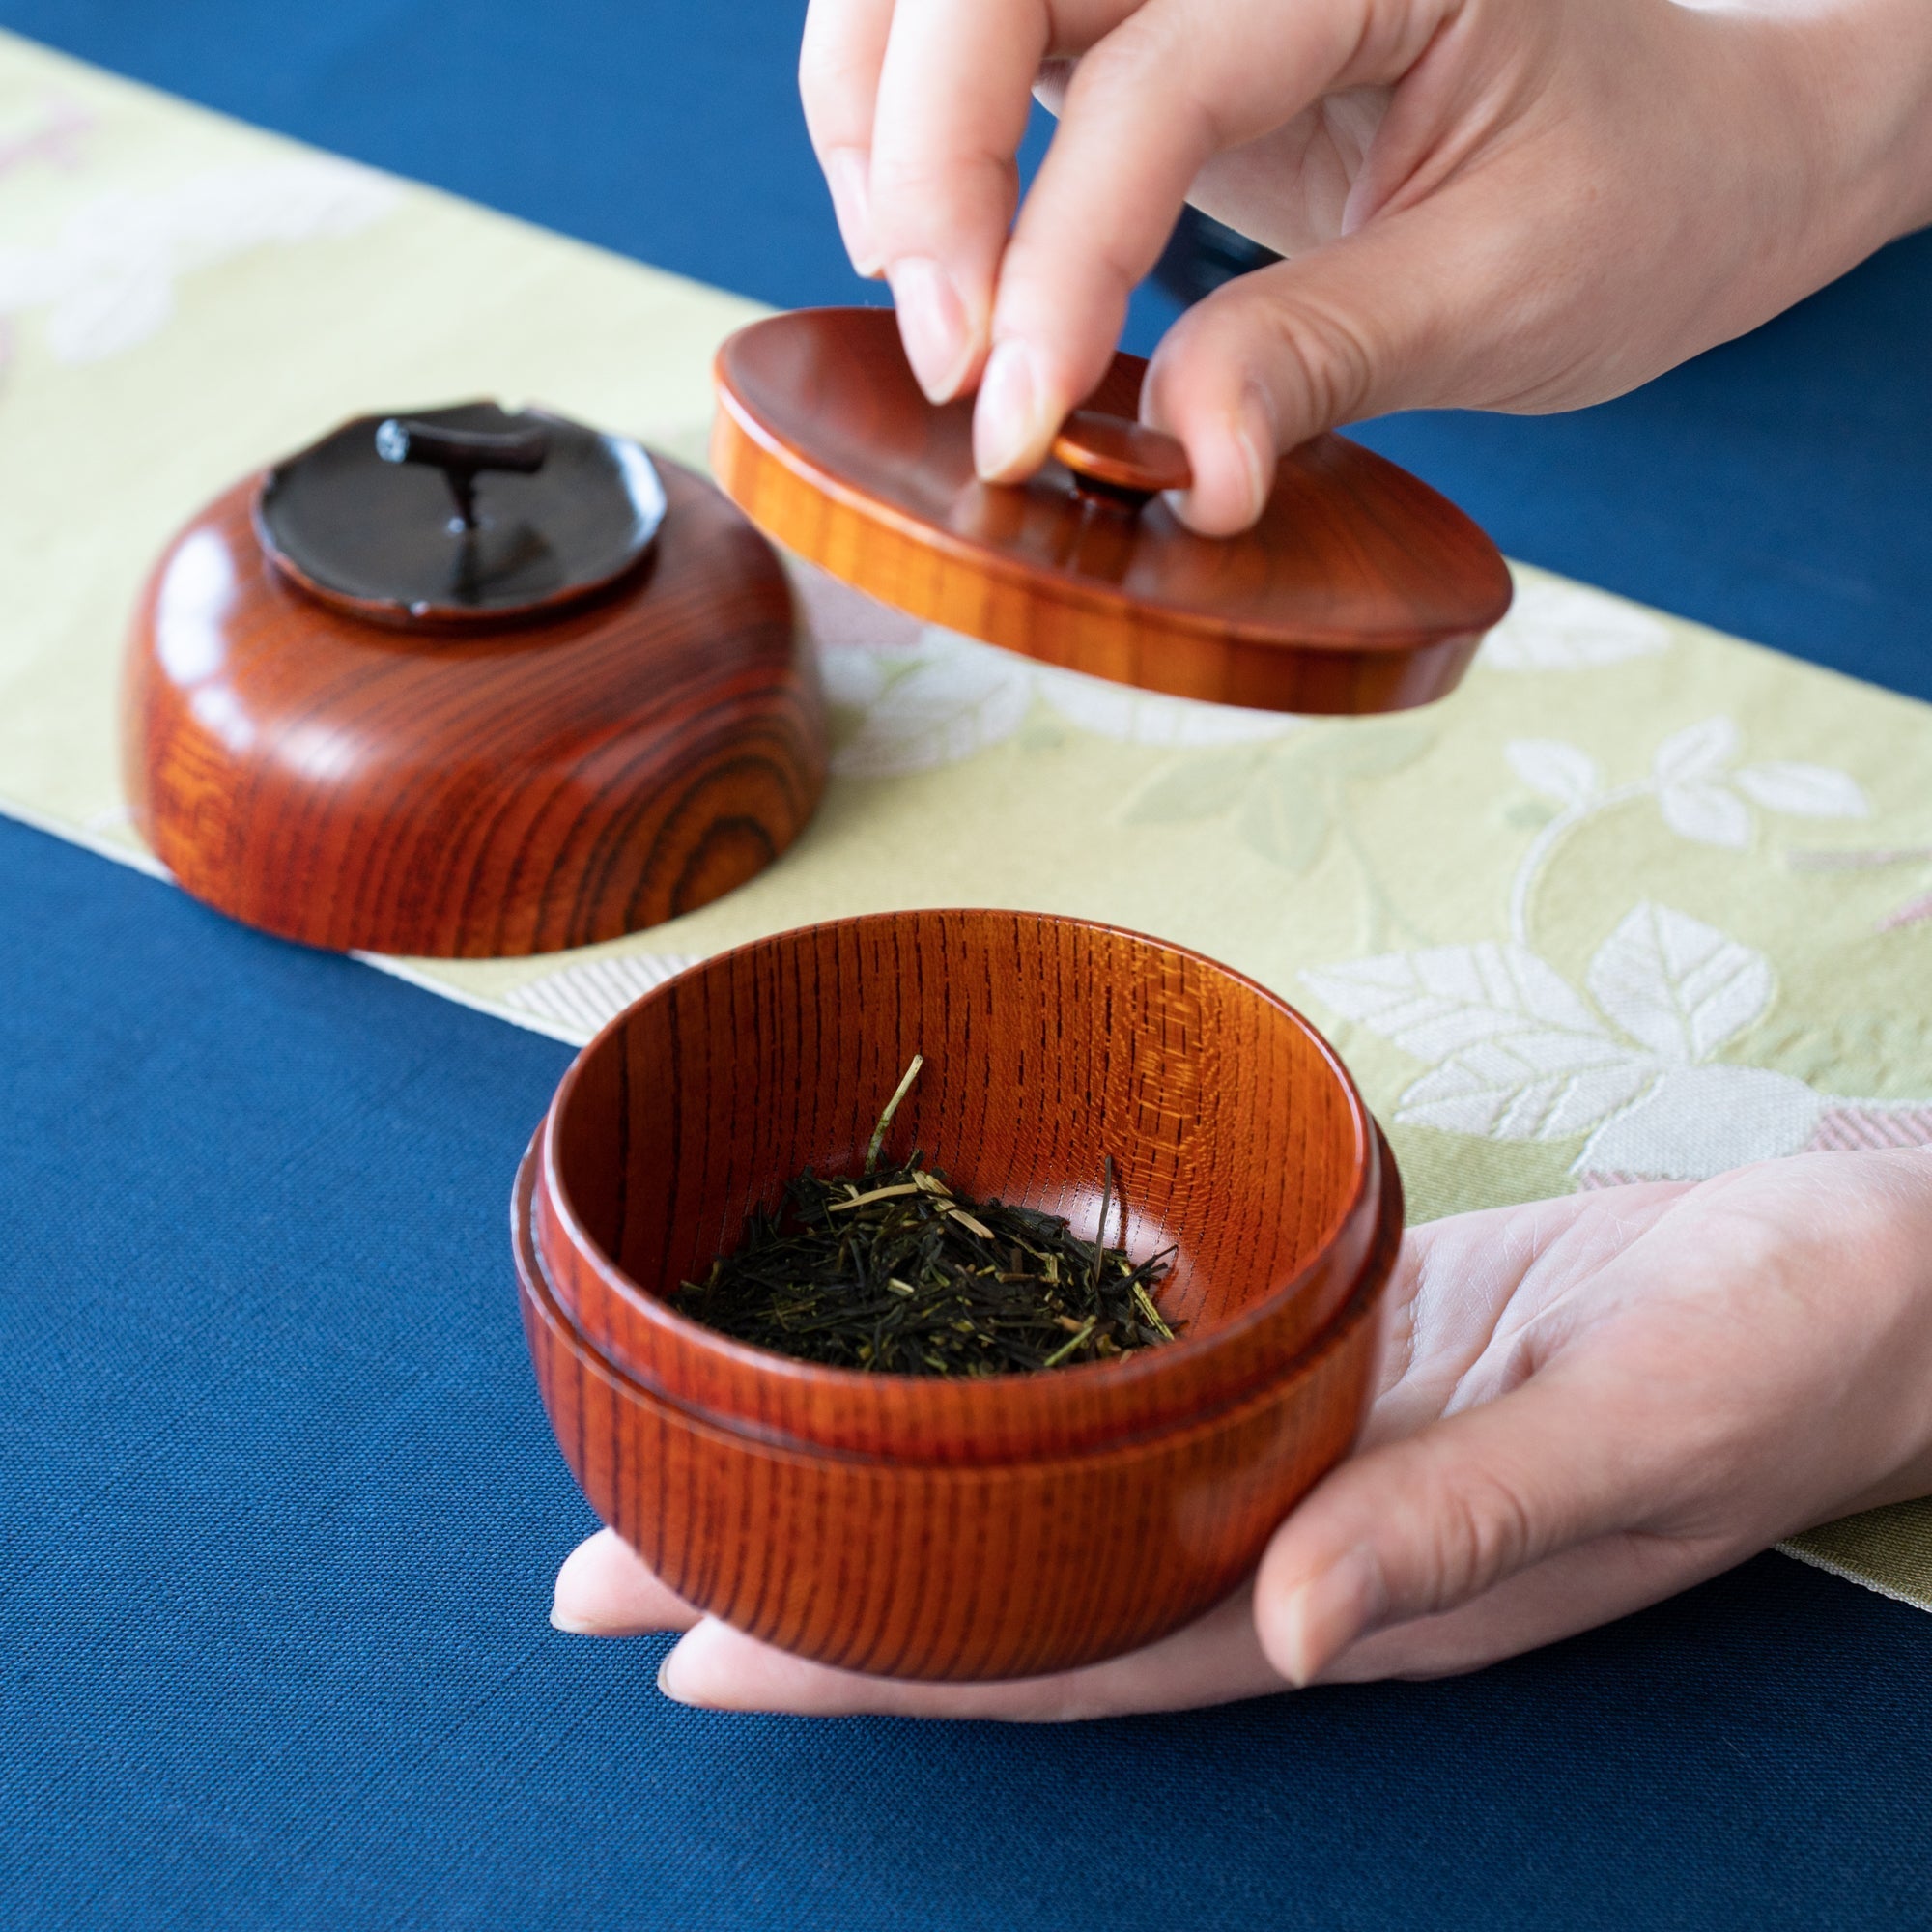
1133, 717
1442, 1001
1701, 1120
108, 281
955, 700
1806, 791
1558, 626
1706, 812
854, 679
1557, 770
1509, 1090
837, 615
1679, 986
1696, 754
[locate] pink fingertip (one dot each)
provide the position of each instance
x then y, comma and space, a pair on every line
932, 324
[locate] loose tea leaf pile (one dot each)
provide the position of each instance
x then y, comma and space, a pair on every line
892, 1271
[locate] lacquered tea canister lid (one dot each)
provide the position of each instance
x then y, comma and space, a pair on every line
460, 516
472, 685
1359, 589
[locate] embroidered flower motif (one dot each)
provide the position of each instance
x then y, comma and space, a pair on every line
1131, 717
1516, 1053
108, 282
943, 700
1702, 796
1700, 790
1557, 626
929, 697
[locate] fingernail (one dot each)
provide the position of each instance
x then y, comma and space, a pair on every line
1009, 432
849, 178
932, 323
1328, 1613
561, 1619
1254, 433
668, 1676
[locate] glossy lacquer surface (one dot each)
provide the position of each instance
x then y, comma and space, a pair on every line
960, 1529
463, 516
497, 791
1359, 590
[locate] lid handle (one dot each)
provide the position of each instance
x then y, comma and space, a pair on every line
462, 454
1120, 463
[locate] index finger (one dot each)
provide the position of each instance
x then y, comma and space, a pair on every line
954, 92
839, 59
1146, 108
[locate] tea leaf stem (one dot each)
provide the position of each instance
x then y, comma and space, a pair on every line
899, 1092
1073, 1342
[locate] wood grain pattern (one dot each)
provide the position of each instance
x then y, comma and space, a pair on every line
1360, 591
497, 792
960, 1529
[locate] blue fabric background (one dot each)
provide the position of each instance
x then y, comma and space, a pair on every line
280, 1510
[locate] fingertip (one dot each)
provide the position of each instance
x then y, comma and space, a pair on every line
1199, 391
714, 1668
691, 1672
579, 1588
605, 1589
1305, 1629
1012, 422
1231, 453
1213, 1661
942, 337
675, 1670
847, 175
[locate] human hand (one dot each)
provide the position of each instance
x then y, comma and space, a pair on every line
1521, 205
1583, 1405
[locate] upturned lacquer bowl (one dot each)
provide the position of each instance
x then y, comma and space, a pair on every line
928, 1527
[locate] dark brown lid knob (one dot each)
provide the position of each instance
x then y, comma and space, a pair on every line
462, 453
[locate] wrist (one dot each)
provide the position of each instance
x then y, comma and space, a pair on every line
1865, 66
1896, 1247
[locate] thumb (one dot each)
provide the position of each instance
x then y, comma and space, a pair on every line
1423, 1525
1403, 314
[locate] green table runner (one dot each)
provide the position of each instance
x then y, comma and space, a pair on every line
1639, 900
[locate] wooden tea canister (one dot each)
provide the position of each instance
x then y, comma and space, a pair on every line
468, 684
1359, 590
959, 1529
